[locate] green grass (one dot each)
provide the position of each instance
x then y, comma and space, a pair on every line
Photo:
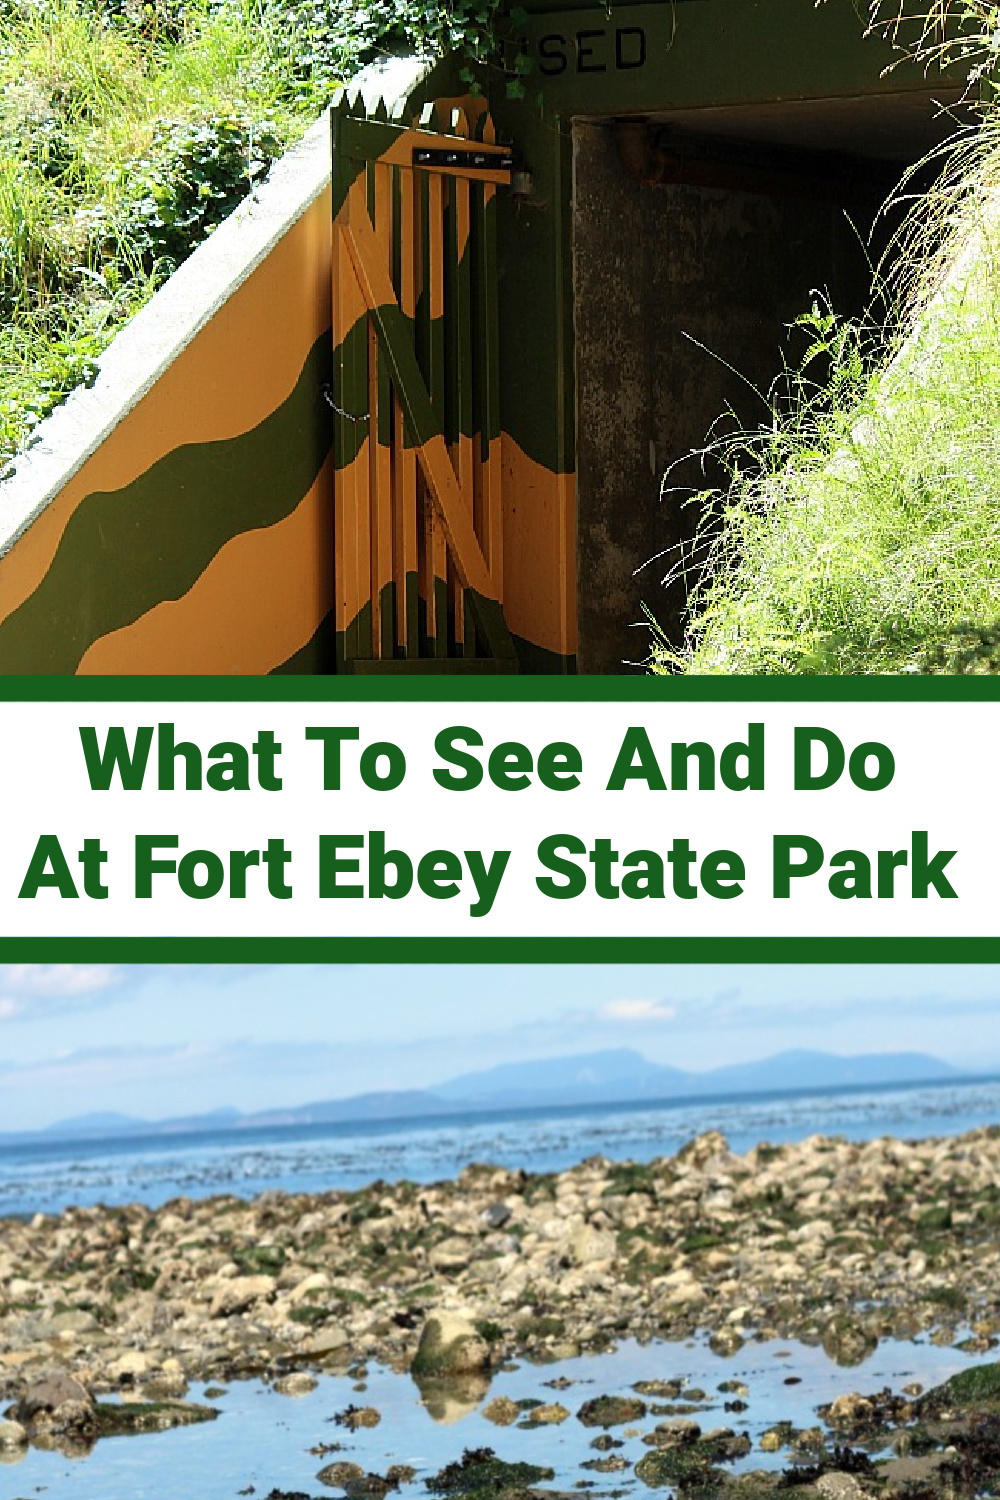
105, 181
130, 128
858, 529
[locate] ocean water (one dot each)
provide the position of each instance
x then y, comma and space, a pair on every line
51, 1175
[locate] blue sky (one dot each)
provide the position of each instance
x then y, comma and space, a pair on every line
160, 1040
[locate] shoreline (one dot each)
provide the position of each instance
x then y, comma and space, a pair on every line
825, 1240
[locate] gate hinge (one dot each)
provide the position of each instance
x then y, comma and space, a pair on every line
464, 161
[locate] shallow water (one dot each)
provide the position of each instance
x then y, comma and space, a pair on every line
263, 1439
48, 1176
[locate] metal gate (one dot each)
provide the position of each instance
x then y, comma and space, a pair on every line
418, 517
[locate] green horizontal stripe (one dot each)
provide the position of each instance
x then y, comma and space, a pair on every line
507, 949
643, 691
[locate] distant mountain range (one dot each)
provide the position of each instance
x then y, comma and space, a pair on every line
620, 1076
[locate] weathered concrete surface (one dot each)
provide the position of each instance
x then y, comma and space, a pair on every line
659, 271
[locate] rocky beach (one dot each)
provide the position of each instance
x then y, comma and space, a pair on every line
109, 1315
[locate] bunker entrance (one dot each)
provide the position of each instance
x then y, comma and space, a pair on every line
699, 236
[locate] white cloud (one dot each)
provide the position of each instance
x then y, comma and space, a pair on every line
37, 990
637, 1010
59, 979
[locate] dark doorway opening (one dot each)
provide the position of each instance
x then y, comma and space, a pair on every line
699, 236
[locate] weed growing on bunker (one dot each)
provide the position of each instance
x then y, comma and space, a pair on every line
856, 528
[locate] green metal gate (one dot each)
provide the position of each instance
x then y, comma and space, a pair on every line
418, 518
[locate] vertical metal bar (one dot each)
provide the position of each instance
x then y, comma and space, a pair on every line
343, 438
437, 603
383, 625
405, 498
351, 497
491, 534
461, 356
425, 516
422, 330
357, 498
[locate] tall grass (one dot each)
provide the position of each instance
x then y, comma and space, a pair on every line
126, 131
858, 527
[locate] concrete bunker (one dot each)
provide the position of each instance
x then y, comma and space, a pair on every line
699, 237
662, 199
685, 179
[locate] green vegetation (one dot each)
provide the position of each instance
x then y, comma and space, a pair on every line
130, 128
979, 1386
115, 1419
857, 530
480, 1475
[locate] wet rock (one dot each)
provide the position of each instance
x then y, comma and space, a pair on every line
353, 1417
369, 1484
449, 1398
914, 1470
130, 1367
977, 1388
479, 1473
340, 1473
501, 1411
724, 1445
12, 1436
857, 1416
451, 1255
55, 1405
680, 1467
852, 1410
676, 1433
839, 1487
682, 1458
299, 1383
494, 1216
848, 1342
286, 1495
450, 1344
163, 1385
550, 1414
726, 1342
611, 1411
240, 1293
356, 1482
331, 1341
613, 1464
115, 1419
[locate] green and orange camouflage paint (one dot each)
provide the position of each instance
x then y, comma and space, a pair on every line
321, 479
